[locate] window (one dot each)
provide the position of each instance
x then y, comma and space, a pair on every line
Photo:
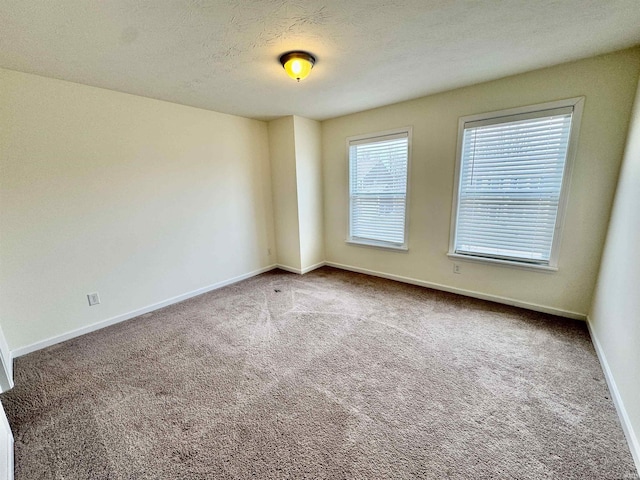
511, 183
378, 168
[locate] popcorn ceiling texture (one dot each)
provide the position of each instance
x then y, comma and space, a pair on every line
327, 375
223, 55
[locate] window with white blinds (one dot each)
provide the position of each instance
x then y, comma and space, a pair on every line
511, 173
378, 167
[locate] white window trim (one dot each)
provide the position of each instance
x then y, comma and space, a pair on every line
373, 243
578, 104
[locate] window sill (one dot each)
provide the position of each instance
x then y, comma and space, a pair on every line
504, 263
381, 245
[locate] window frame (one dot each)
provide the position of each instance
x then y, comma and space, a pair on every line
577, 103
351, 240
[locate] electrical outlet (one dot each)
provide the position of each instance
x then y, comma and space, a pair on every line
456, 268
94, 299
269, 251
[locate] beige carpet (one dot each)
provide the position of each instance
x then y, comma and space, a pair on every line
327, 375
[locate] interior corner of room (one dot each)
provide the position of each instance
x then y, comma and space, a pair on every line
149, 203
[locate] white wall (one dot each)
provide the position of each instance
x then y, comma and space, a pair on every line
309, 178
608, 82
285, 192
137, 199
615, 315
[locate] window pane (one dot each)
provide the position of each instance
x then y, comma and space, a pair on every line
378, 188
510, 182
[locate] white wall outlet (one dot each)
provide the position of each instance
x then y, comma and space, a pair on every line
456, 268
269, 251
94, 299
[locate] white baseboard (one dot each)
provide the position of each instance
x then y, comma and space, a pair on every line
627, 427
313, 267
126, 316
298, 270
18, 352
287, 268
460, 291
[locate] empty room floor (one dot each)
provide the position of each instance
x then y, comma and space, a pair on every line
328, 375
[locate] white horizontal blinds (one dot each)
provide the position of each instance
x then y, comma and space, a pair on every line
510, 182
378, 188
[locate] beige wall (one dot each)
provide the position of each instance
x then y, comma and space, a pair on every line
143, 200
137, 199
309, 178
282, 153
608, 82
615, 314
296, 170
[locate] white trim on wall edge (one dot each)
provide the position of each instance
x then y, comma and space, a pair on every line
7, 438
461, 291
630, 434
18, 352
299, 271
6, 375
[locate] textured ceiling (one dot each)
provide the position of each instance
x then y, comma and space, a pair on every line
223, 55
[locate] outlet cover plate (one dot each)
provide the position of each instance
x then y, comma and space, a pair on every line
94, 299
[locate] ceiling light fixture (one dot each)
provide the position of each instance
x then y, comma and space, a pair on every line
297, 64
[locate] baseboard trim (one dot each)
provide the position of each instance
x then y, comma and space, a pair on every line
300, 271
313, 267
18, 352
627, 428
461, 291
287, 268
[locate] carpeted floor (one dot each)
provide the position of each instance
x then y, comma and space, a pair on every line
327, 375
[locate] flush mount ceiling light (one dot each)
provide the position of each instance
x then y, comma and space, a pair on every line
297, 64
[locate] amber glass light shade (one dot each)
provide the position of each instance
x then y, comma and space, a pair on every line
298, 65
